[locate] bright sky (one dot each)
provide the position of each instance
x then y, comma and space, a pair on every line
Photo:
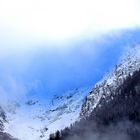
59, 20
32, 24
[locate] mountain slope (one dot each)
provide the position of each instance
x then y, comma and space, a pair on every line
36, 119
117, 118
112, 109
128, 64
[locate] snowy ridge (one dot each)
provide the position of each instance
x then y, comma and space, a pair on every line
36, 120
129, 63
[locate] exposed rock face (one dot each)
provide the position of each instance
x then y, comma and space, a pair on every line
2, 119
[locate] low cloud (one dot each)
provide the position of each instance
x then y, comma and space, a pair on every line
123, 130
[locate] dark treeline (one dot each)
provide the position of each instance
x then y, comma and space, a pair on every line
117, 117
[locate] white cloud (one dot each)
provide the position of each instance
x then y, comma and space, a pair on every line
11, 90
65, 19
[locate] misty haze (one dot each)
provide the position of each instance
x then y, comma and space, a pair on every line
69, 70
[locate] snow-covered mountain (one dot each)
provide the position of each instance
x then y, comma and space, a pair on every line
35, 119
128, 64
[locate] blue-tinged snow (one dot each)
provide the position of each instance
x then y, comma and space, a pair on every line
35, 119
